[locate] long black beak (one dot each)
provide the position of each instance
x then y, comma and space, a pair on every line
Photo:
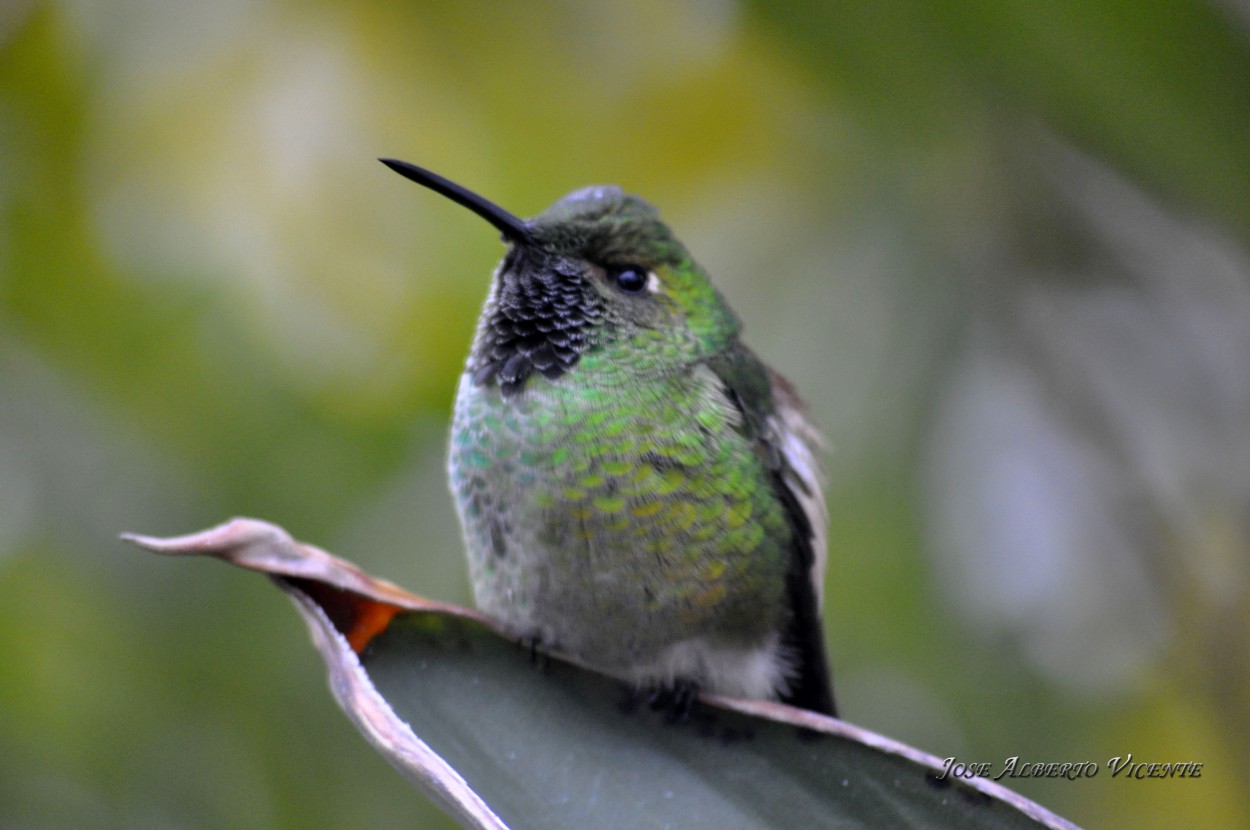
511, 227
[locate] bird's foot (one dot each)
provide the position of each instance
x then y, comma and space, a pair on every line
675, 700
538, 652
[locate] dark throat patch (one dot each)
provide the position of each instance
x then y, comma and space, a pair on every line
539, 321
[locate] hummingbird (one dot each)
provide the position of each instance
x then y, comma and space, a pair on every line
635, 487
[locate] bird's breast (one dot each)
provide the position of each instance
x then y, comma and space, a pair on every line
590, 509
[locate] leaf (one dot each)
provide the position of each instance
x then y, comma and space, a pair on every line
499, 739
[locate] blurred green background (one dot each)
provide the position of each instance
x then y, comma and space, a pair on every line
1003, 248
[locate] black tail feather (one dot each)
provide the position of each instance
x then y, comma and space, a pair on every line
812, 686
804, 635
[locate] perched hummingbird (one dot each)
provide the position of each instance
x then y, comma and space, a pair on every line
636, 488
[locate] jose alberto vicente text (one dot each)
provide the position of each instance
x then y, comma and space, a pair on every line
1121, 766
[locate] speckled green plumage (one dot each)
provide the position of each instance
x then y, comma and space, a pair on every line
611, 504
636, 488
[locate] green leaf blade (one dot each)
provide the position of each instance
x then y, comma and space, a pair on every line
502, 739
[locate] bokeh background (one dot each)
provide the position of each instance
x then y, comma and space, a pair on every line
1001, 247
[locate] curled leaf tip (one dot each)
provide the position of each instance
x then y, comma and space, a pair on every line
226, 540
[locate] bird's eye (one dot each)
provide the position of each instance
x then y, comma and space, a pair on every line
630, 280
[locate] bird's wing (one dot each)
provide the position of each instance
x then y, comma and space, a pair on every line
774, 418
